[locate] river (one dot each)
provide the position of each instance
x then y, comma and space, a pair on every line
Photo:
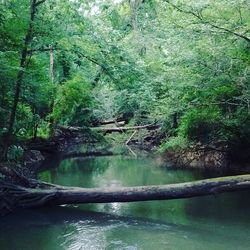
204, 223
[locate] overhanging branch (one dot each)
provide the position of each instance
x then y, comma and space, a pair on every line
203, 21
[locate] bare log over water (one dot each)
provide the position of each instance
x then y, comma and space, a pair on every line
47, 194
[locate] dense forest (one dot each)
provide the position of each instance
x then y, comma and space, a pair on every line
178, 70
181, 64
111, 108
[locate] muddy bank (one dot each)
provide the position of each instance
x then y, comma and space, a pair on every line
209, 157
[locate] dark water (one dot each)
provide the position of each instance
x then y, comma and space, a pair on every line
214, 222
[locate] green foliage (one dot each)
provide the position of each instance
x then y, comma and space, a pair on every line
201, 124
15, 153
24, 120
174, 143
237, 128
43, 129
182, 63
73, 103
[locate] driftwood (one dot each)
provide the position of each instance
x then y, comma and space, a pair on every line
14, 196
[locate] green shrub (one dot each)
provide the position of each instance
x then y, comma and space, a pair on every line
174, 143
43, 129
201, 125
73, 103
24, 121
15, 153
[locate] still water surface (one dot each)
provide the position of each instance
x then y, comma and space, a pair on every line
214, 222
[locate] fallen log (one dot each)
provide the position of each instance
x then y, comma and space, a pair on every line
71, 129
114, 121
23, 197
122, 129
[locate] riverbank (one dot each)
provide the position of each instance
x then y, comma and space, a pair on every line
25, 190
69, 142
217, 156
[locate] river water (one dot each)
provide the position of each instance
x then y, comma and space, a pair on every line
212, 223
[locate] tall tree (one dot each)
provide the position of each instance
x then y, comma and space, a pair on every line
22, 66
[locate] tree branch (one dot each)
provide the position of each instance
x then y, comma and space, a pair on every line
80, 54
199, 17
40, 2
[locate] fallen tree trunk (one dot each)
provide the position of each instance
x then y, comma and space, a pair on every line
114, 121
122, 129
47, 194
107, 129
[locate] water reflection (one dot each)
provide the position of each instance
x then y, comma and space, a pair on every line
127, 171
69, 228
220, 222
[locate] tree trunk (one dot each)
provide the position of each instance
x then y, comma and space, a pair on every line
120, 121
134, 7
51, 64
35, 128
47, 194
122, 129
20, 74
